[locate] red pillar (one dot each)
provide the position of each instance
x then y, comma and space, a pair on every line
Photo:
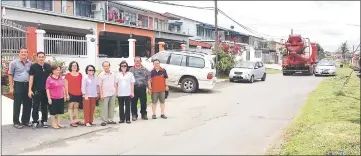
31, 42
152, 49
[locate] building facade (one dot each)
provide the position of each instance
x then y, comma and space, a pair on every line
121, 30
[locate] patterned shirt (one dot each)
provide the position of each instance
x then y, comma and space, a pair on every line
107, 81
90, 86
141, 76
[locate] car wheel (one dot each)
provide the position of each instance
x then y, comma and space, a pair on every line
251, 80
231, 80
263, 77
189, 85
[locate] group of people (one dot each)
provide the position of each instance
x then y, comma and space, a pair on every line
41, 85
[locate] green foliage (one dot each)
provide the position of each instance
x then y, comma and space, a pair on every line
345, 51
225, 63
60, 63
320, 52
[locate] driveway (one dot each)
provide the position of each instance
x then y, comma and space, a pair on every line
238, 118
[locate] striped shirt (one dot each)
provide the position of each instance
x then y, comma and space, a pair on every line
141, 76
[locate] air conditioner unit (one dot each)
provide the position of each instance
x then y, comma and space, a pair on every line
95, 7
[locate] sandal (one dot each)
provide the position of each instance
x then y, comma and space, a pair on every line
73, 124
112, 122
88, 125
79, 123
55, 127
61, 126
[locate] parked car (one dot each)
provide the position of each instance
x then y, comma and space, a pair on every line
325, 67
248, 71
190, 71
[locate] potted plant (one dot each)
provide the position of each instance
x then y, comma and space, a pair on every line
5, 80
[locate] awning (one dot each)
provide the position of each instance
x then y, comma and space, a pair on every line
202, 44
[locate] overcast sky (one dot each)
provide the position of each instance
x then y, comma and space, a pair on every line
327, 22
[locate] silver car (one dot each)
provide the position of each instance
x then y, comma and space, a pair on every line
248, 71
326, 67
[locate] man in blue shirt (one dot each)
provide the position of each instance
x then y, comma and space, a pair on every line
18, 82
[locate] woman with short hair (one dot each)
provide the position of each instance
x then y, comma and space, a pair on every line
55, 90
74, 95
124, 86
90, 89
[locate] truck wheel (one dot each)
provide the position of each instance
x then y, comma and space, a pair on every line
263, 77
189, 85
231, 80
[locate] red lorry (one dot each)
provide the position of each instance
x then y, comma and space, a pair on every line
300, 56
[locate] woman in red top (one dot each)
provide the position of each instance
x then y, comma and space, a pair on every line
73, 92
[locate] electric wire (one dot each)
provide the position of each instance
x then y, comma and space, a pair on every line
219, 10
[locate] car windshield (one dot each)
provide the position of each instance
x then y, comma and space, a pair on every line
326, 63
248, 65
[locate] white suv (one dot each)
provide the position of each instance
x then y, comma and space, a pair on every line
189, 70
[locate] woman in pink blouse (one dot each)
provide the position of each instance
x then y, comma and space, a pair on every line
55, 89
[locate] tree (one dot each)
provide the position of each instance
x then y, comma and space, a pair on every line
320, 52
344, 50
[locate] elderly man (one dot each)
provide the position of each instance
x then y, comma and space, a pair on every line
107, 94
142, 80
19, 85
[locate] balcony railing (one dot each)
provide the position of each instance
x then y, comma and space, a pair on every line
115, 13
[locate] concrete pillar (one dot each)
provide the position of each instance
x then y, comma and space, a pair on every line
39, 40
161, 46
131, 48
91, 50
183, 47
31, 42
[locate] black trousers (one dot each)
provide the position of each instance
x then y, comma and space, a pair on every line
40, 99
139, 93
21, 98
124, 101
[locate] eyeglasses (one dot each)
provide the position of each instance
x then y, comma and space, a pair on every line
124, 66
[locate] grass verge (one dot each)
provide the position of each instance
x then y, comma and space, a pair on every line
273, 71
222, 76
329, 120
97, 109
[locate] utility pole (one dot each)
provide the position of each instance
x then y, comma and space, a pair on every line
216, 32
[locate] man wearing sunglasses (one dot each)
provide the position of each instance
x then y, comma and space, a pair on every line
39, 72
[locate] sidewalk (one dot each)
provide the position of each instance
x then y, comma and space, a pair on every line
15, 141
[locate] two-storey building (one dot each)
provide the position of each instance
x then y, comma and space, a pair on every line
204, 33
118, 26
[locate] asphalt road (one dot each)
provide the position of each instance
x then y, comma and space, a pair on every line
235, 118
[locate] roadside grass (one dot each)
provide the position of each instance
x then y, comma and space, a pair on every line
273, 71
329, 120
98, 108
222, 76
